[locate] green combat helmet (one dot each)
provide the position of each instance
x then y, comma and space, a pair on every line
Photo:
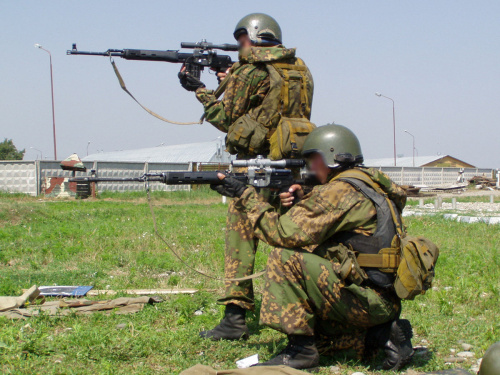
338, 145
261, 29
490, 365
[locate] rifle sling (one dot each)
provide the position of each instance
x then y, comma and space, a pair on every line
253, 276
122, 84
218, 92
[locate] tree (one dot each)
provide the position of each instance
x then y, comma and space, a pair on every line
9, 152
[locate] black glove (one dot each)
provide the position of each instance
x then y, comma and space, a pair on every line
231, 187
189, 82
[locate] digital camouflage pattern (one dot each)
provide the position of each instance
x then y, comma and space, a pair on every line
248, 84
304, 293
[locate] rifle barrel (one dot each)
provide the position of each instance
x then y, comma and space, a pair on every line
206, 45
110, 52
111, 179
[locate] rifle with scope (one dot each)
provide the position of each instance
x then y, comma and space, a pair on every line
261, 173
203, 56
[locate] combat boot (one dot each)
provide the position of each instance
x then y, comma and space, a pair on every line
231, 327
395, 338
300, 353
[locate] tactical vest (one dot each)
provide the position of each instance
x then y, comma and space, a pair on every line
390, 258
280, 125
381, 239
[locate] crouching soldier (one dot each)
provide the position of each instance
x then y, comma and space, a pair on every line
325, 279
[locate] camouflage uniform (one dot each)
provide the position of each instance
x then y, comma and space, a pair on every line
304, 292
249, 82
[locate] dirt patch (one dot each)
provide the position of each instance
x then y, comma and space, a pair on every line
118, 272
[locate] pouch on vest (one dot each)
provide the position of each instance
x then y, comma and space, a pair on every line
246, 136
345, 256
281, 122
418, 255
294, 109
416, 270
288, 139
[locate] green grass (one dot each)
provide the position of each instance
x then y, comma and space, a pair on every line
108, 243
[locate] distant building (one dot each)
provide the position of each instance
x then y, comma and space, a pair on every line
439, 161
202, 152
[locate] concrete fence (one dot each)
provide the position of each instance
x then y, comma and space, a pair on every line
30, 176
433, 177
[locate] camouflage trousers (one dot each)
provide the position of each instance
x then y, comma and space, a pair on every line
304, 296
239, 257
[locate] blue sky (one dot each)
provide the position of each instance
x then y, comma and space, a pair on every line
439, 61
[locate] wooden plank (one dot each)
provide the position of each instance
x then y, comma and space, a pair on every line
142, 292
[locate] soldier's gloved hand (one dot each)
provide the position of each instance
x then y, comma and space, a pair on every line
231, 187
189, 82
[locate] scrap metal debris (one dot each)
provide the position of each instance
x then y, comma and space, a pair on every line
483, 182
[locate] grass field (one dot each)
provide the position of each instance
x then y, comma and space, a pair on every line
108, 243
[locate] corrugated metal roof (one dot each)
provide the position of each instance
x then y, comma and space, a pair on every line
212, 151
402, 162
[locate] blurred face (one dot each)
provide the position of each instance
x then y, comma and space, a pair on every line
244, 41
317, 165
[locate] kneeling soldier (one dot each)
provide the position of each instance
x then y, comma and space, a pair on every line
322, 279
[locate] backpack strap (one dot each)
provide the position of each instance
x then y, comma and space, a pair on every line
387, 259
360, 175
222, 86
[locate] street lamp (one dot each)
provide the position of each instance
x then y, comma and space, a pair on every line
88, 144
52, 92
41, 155
393, 122
406, 131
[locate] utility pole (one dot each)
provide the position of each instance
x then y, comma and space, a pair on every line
52, 92
393, 122
406, 131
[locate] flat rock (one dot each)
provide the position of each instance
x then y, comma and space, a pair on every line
358, 373
465, 354
121, 326
454, 360
466, 347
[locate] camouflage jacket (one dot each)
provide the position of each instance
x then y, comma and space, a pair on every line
248, 85
328, 209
